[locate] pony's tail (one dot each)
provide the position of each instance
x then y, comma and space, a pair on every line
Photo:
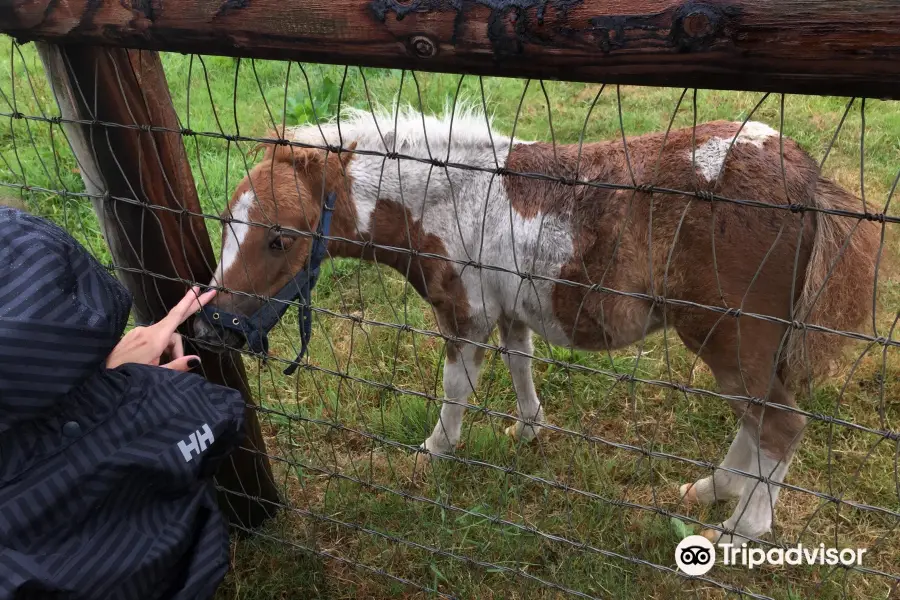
838, 286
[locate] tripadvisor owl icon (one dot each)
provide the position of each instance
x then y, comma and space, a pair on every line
695, 555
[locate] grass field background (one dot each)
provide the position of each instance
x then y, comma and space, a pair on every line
506, 520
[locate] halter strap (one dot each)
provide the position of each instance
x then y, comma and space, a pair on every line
255, 328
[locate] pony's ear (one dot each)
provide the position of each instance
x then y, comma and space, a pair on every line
269, 147
347, 154
255, 150
299, 158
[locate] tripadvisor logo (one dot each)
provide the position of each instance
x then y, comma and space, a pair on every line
695, 555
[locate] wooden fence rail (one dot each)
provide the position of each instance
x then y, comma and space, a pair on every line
836, 47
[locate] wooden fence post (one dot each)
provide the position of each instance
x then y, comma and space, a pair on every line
155, 240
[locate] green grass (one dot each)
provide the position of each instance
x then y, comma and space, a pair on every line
336, 476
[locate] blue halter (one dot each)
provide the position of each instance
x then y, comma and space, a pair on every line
255, 329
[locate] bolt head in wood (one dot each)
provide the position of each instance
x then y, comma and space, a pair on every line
697, 24
422, 46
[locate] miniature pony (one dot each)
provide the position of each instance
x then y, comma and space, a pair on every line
581, 244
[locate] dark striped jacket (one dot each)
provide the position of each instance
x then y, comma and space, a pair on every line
106, 484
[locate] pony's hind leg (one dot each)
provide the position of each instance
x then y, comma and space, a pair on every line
723, 484
744, 366
516, 337
774, 434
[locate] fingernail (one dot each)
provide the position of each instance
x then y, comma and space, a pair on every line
193, 363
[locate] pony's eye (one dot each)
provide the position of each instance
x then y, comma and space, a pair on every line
281, 243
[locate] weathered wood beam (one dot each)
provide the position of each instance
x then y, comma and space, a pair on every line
153, 247
836, 47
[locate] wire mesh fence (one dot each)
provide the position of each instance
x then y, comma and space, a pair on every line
658, 244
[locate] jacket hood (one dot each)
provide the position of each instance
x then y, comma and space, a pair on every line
61, 314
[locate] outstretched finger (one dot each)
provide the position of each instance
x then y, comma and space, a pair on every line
191, 303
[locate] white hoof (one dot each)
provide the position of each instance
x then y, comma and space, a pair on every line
725, 537
435, 450
520, 431
713, 535
688, 494
704, 492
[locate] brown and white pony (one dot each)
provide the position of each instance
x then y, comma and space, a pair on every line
811, 267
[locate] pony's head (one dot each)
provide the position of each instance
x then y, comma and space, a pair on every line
265, 228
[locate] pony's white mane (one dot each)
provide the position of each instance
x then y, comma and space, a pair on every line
405, 131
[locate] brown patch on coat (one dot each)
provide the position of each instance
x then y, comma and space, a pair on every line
436, 280
756, 249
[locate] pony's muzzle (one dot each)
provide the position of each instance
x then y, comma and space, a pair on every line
216, 339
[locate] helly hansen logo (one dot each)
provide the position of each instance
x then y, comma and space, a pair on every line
197, 443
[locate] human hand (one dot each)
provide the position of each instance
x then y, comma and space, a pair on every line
145, 345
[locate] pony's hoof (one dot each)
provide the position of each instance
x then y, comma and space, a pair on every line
519, 432
688, 494
712, 535
435, 451
723, 537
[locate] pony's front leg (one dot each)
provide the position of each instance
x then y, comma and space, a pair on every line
461, 371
